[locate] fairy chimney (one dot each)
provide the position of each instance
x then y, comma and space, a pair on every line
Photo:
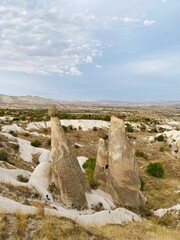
100, 173
116, 170
66, 172
124, 182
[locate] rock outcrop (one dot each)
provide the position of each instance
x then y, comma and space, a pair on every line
66, 172
100, 172
116, 170
173, 140
41, 178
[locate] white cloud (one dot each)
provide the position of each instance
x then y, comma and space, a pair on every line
130, 20
150, 67
148, 22
98, 66
166, 66
37, 37
141, 20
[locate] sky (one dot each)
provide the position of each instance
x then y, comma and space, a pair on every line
126, 50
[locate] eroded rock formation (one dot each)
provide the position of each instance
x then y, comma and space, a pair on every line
116, 170
66, 172
100, 173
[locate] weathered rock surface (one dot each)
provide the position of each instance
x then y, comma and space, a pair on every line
116, 170
124, 183
66, 171
41, 178
100, 172
173, 140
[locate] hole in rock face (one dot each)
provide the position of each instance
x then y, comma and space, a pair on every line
106, 166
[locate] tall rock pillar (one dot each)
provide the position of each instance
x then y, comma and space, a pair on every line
100, 171
124, 182
66, 171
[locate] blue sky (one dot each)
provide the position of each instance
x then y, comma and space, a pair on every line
126, 50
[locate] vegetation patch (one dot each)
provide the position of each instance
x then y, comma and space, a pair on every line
13, 133
129, 128
160, 138
3, 156
89, 166
141, 154
36, 143
142, 184
155, 169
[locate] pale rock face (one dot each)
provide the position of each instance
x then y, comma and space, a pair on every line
123, 180
116, 171
175, 148
41, 178
66, 171
100, 172
173, 140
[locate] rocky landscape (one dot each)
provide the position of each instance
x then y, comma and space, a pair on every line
48, 193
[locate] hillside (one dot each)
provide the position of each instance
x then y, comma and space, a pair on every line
34, 218
25, 101
35, 102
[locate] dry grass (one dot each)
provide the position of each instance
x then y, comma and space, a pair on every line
22, 221
52, 228
160, 193
40, 208
137, 231
18, 193
3, 227
47, 228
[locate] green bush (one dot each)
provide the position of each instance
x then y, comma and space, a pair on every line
65, 128
3, 156
95, 129
89, 165
160, 138
129, 128
142, 184
70, 127
36, 143
147, 119
16, 119
2, 113
23, 118
155, 169
14, 134
138, 153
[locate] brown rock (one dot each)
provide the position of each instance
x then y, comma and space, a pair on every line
116, 171
66, 171
100, 172
124, 182
53, 112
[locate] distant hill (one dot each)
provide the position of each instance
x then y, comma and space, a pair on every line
25, 101
40, 102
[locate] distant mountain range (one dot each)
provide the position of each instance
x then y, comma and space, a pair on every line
25, 101
40, 102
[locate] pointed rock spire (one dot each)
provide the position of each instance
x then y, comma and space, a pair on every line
66, 171
100, 172
116, 171
123, 172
